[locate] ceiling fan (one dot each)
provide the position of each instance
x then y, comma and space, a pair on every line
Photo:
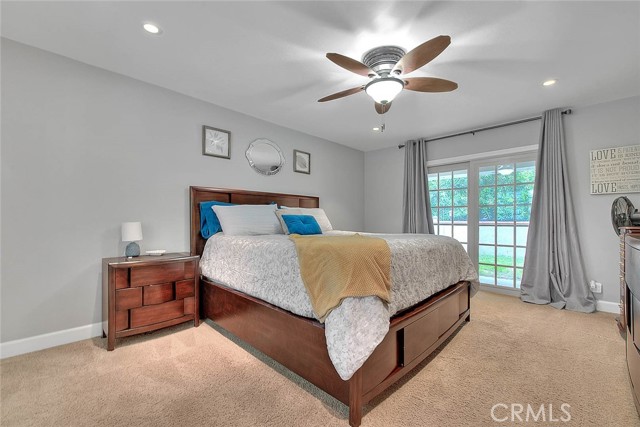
386, 66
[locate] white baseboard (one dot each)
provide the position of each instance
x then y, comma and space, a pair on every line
608, 307
53, 339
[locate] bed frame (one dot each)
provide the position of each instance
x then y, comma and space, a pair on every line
299, 343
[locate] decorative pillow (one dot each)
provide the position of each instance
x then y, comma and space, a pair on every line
209, 224
298, 224
317, 213
248, 220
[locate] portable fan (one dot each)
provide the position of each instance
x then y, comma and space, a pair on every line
623, 214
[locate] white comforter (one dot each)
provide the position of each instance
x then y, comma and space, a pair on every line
267, 267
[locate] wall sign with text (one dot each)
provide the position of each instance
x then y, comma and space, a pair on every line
615, 170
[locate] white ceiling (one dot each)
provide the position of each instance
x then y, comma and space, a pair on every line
267, 59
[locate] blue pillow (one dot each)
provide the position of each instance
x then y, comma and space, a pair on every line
301, 224
209, 223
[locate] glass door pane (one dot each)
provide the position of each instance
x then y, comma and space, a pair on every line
448, 194
505, 194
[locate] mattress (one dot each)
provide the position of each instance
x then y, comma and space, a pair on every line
266, 267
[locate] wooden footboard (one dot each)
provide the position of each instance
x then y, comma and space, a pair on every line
299, 343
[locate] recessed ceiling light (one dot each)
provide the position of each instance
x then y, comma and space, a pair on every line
376, 129
151, 28
549, 82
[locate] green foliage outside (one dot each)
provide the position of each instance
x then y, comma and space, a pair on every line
500, 272
497, 195
502, 260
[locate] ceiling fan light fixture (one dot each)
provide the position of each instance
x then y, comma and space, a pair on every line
505, 170
387, 66
384, 89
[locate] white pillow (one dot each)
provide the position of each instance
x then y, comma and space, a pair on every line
248, 220
318, 214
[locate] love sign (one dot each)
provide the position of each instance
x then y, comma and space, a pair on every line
615, 170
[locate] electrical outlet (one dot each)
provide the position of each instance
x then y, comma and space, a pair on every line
596, 287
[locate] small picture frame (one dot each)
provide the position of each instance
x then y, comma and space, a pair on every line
216, 142
301, 162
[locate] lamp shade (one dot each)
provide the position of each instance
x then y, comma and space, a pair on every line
131, 231
384, 89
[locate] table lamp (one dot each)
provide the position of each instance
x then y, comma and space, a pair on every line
131, 232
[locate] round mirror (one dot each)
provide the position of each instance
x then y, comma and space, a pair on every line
265, 157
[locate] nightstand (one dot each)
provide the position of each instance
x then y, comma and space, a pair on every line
146, 293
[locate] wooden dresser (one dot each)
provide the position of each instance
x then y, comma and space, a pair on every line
630, 315
622, 319
146, 293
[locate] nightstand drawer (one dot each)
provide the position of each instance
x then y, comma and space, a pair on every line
189, 305
161, 273
157, 294
156, 313
122, 320
128, 298
184, 289
122, 278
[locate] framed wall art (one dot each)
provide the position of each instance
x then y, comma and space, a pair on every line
301, 162
615, 170
216, 142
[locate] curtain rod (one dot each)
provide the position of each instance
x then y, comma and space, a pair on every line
473, 131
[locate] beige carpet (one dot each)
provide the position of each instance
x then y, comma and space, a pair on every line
510, 353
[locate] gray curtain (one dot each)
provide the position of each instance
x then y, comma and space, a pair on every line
416, 208
553, 269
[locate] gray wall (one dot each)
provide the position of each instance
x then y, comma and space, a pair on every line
613, 124
604, 125
383, 173
84, 149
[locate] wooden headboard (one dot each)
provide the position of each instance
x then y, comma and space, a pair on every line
240, 197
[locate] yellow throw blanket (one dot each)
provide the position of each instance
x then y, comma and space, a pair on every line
337, 267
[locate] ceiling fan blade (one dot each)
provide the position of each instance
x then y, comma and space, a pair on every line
429, 84
382, 108
422, 54
350, 64
342, 94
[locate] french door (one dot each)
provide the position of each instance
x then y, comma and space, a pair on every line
486, 205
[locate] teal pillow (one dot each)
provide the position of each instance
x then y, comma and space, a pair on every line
301, 224
209, 223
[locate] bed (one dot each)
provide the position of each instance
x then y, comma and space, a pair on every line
299, 343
